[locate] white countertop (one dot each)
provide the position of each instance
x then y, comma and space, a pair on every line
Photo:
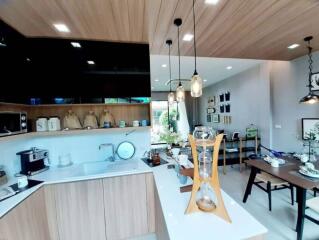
174, 203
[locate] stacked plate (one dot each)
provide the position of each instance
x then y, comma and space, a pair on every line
309, 172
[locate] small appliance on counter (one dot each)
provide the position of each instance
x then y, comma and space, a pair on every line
33, 161
3, 176
54, 124
42, 124
13, 123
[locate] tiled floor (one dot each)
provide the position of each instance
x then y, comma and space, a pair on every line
281, 221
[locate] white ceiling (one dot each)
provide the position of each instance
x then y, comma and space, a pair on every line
211, 69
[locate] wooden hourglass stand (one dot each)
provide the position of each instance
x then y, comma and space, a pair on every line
213, 181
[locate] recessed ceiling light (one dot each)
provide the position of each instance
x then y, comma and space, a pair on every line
292, 46
229, 67
156, 80
164, 65
188, 37
76, 44
61, 27
90, 62
205, 80
214, 2
28, 59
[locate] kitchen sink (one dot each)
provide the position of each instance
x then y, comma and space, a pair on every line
91, 168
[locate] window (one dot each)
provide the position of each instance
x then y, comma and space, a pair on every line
178, 120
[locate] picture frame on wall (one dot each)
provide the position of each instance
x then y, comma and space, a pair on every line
221, 97
211, 110
211, 102
227, 96
209, 118
310, 128
227, 108
215, 118
315, 81
222, 108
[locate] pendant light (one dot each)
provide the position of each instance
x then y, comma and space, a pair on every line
196, 81
180, 91
311, 98
171, 95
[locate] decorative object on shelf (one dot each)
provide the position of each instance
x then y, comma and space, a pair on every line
180, 91
211, 102
171, 95
136, 123
227, 108
54, 124
122, 124
71, 121
144, 123
215, 118
227, 96
90, 121
311, 98
41, 124
221, 97
222, 108
251, 131
106, 119
196, 81
310, 129
206, 194
211, 110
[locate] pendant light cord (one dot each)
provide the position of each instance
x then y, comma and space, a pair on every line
179, 58
195, 72
170, 70
310, 64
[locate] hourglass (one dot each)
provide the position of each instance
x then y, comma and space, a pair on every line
206, 194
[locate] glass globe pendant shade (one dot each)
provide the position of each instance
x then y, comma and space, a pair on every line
180, 93
311, 98
171, 98
196, 86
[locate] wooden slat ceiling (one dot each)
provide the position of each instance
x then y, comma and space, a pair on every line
258, 29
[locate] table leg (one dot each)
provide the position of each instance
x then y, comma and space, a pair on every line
301, 196
250, 183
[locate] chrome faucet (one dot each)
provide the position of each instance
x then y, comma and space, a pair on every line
111, 158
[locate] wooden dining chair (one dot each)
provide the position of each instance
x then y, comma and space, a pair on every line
313, 204
272, 184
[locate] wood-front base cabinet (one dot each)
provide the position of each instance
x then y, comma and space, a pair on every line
27, 221
110, 208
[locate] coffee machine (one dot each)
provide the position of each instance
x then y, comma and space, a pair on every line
33, 161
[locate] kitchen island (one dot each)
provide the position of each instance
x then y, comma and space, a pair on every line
165, 205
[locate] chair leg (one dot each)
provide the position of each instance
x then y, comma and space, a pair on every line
292, 194
269, 194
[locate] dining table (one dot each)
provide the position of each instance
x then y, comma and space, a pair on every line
289, 172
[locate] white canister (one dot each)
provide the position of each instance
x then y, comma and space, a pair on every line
54, 124
42, 124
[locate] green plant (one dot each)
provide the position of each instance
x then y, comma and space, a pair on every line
172, 119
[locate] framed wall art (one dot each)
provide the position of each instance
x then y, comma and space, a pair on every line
215, 118
227, 108
211, 102
222, 108
310, 128
221, 97
227, 96
315, 81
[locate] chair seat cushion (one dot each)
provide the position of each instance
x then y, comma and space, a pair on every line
265, 177
313, 204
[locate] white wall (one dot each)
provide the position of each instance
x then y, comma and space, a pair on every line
288, 86
268, 95
250, 101
82, 148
